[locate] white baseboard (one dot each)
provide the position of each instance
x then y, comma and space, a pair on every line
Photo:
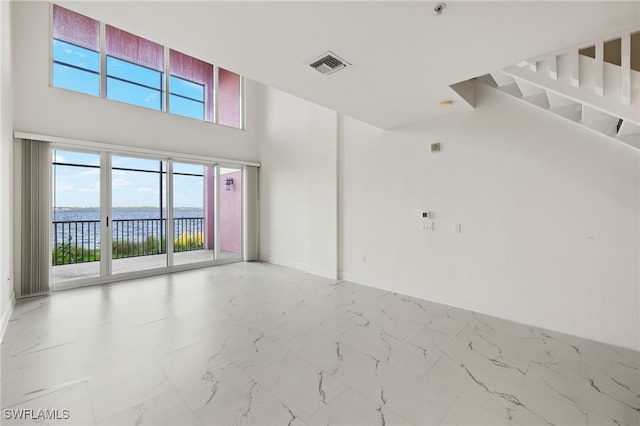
322, 272
286, 263
6, 315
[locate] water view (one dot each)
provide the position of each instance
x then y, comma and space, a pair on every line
138, 231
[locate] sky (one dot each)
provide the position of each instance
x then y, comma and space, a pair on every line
80, 186
126, 82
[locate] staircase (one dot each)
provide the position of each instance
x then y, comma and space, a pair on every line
595, 84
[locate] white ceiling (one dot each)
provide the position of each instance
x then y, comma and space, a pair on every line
403, 56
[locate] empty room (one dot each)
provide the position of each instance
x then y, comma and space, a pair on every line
319, 213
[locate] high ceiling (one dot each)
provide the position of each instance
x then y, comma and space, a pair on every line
403, 55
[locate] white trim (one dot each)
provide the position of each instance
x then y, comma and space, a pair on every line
51, 25
102, 45
216, 214
166, 107
322, 272
131, 150
106, 213
6, 316
242, 103
169, 231
215, 95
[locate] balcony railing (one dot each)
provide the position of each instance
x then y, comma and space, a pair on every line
79, 241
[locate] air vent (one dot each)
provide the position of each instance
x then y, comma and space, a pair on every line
328, 63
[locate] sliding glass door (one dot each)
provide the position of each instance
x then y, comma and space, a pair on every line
230, 213
76, 243
120, 215
193, 213
138, 214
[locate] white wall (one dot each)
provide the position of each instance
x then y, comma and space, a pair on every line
42, 109
6, 155
298, 183
549, 212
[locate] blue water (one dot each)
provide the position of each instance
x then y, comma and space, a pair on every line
93, 213
82, 227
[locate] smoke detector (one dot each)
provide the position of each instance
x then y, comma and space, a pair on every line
328, 63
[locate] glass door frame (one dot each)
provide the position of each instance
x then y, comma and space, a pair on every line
218, 216
106, 216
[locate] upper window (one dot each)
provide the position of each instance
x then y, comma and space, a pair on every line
76, 52
134, 69
137, 72
190, 86
228, 98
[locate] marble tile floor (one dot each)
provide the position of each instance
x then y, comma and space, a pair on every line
254, 343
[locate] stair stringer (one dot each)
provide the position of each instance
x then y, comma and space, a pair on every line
609, 102
582, 114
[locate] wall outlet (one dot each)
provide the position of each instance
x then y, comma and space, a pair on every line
457, 227
364, 258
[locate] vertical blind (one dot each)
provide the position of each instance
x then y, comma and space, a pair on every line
251, 214
36, 218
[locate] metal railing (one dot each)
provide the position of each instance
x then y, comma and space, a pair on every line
78, 241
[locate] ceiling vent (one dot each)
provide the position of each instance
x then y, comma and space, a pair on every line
328, 63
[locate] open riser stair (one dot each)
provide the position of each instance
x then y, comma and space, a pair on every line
592, 84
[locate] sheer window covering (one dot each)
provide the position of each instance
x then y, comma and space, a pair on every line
36, 218
251, 214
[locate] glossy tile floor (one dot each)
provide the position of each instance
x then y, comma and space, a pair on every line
252, 343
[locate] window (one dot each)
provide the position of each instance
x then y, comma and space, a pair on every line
137, 72
190, 86
229, 98
140, 214
186, 98
76, 56
76, 216
134, 69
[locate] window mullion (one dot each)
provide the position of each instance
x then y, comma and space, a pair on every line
215, 94
103, 60
166, 80
241, 104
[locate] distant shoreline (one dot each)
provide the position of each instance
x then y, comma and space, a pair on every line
126, 208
